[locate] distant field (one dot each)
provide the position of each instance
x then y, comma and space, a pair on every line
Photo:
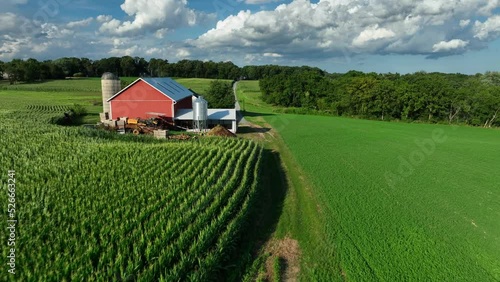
98, 206
199, 85
80, 85
398, 202
249, 97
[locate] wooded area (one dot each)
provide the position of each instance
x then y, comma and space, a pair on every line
421, 96
33, 70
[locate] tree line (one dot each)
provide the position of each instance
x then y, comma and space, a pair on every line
421, 96
32, 70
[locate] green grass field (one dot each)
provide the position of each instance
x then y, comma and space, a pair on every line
248, 93
389, 201
93, 85
98, 206
73, 85
199, 85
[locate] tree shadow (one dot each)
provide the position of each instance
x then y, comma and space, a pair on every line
263, 219
249, 129
283, 265
255, 114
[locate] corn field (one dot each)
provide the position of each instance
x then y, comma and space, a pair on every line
96, 206
47, 108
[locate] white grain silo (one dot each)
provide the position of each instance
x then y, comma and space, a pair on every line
200, 114
111, 85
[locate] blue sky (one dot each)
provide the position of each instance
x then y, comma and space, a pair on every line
335, 35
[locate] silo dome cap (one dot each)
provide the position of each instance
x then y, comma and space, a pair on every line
109, 76
200, 100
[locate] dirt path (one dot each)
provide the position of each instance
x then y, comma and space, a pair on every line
239, 115
287, 252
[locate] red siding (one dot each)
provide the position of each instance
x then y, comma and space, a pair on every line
140, 99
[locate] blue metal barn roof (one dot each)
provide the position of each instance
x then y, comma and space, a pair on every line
169, 87
165, 85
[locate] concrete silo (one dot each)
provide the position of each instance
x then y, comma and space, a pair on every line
111, 85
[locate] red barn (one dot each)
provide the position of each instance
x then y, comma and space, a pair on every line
149, 97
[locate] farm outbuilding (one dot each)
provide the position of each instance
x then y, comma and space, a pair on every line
152, 97
224, 117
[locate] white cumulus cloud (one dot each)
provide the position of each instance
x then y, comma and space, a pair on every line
299, 31
329, 28
152, 15
182, 53
104, 18
464, 23
489, 29
274, 55
82, 23
8, 22
372, 33
445, 46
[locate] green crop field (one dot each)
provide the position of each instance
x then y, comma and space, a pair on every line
74, 85
391, 201
97, 206
199, 85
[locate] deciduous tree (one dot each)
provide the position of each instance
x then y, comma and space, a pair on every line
220, 95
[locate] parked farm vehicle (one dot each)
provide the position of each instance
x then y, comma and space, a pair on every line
137, 127
157, 126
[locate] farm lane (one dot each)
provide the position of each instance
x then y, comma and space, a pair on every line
239, 115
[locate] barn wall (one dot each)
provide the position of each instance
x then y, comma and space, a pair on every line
138, 100
141, 109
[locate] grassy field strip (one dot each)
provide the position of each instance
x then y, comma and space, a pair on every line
248, 93
305, 220
302, 218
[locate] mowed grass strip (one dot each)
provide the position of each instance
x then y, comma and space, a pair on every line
249, 94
